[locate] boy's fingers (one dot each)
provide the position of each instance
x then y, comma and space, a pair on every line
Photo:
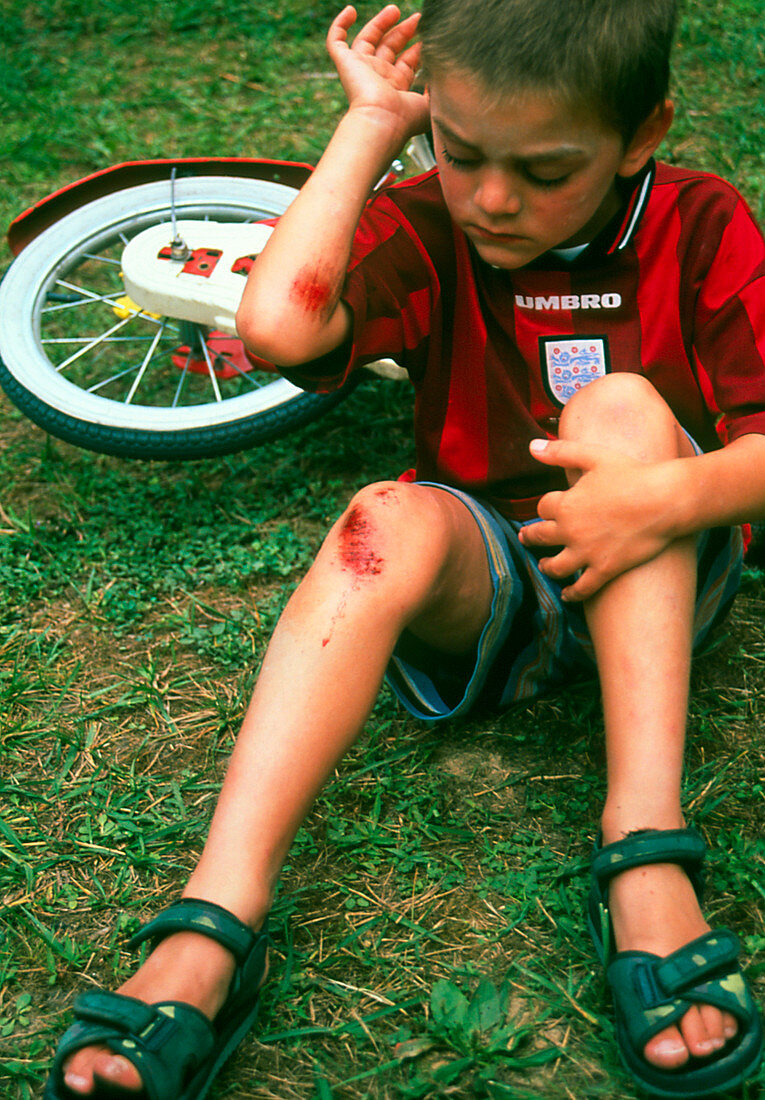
560, 567
585, 587
543, 533
374, 33
410, 59
566, 453
549, 505
337, 35
398, 36
564, 566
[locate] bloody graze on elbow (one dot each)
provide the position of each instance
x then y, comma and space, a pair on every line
313, 290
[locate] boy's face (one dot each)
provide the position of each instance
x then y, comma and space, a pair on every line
524, 173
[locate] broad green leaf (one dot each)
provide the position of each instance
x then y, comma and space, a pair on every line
484, 1012
448, 1005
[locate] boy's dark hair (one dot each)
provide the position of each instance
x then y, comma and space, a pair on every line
612, 56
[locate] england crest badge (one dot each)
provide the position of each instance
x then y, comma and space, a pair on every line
569, 363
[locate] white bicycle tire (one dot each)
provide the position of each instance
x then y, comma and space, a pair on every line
33, 382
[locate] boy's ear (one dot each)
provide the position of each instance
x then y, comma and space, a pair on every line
648, 137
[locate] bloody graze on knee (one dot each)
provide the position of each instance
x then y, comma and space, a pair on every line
357, 549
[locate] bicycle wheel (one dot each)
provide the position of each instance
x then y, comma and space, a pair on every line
89, 366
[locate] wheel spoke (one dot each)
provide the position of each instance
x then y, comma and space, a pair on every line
111, 340
85, 300
114, 378
181, 380
101, 259
144, 365
91, 295
94, 343
247, 376
211, 371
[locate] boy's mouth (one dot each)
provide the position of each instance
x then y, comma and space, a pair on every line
492, 235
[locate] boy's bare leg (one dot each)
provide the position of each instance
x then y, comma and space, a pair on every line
402, 555
641, 625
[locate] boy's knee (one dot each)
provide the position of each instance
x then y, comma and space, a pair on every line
381, 507
622, 409
387, 527
622, 396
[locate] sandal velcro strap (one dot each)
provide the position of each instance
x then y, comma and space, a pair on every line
167, 1043
205, 917
709, 956
148, 1025
176, 1050
645, 1007
651, 993
683, 846
99, 1006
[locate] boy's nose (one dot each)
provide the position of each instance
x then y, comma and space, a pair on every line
495, 193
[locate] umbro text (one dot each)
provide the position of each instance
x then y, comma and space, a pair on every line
570, 301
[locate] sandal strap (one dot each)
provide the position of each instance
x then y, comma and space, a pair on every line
175, 1048
697, 961
683, 846
166, 1042
205, 917
651, 992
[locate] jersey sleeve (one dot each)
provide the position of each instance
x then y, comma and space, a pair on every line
392, 292
729, 325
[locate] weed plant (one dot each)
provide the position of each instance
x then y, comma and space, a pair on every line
429, 936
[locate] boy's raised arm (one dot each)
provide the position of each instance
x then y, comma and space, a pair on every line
291, 311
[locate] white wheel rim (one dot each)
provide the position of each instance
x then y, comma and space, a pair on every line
24, 292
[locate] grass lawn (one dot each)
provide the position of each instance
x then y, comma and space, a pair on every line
439, 882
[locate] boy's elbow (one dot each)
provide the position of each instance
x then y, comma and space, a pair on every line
268, 341
282, 339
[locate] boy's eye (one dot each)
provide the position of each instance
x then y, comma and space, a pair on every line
545, 181
465, 164
459, 162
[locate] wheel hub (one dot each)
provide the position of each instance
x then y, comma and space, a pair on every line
203, 285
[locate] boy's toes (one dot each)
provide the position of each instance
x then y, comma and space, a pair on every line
721, 1026
667, 1050
702, 1029
702, 1032
730, 1026
87, 1066
117, 1071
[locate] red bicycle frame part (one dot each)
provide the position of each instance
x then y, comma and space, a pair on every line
51, 209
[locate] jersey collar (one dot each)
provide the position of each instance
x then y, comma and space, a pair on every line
635, 191
638, 191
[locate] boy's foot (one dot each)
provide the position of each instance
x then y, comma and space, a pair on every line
654, 908
185, 967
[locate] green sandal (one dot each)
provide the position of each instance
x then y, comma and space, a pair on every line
175, 1048
651, 993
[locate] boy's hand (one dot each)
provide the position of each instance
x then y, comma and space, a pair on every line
607, 522
377, 70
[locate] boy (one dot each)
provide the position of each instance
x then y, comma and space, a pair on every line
574, 321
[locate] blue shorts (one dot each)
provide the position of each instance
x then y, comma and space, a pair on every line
533, 642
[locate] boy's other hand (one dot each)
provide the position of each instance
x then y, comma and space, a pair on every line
378, 69
615, 515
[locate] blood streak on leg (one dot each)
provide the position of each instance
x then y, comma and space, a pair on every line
357, 556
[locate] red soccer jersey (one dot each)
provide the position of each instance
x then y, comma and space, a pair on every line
672, 289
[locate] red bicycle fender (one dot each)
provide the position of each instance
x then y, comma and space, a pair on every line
28, 225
